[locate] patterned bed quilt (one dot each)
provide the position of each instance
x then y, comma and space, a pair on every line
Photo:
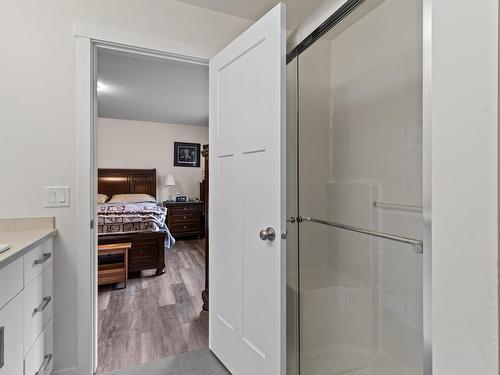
113, 218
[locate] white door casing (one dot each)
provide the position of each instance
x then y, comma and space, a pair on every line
247, 122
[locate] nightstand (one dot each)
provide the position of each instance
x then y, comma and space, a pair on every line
184, 219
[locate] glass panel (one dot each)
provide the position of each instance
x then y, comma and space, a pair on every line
292, 308
360, 142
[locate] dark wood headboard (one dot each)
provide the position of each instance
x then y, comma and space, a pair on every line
126, 181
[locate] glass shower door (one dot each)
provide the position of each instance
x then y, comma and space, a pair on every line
359, 166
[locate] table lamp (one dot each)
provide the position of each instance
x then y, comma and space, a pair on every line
168, 182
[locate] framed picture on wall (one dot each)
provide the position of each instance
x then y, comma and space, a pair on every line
186, 154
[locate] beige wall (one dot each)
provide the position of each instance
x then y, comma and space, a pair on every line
138, 144
38, 130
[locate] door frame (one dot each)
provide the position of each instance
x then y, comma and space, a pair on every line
90, 37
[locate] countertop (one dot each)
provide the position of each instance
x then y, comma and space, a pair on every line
23, 235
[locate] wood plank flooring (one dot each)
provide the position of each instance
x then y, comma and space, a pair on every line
155, 316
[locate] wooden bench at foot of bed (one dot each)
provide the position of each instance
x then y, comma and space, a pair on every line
147, 250
113, 264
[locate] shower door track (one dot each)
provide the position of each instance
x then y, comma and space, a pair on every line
418, 246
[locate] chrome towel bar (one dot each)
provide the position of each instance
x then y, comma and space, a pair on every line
418, 246
398, 207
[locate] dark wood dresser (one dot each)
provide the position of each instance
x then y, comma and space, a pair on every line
185, 219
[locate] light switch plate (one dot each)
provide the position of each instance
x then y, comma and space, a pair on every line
56, 196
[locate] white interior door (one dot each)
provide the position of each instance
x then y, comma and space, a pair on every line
247, 118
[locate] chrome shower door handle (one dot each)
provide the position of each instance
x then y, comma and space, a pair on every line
267, 234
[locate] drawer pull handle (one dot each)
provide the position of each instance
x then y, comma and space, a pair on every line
43, 305
45, 364
2, 346
42, 260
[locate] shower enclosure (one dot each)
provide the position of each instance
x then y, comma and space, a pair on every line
354, 194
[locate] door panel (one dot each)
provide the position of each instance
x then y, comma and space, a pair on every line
247, 90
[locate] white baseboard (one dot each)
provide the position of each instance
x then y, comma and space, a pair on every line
66, 371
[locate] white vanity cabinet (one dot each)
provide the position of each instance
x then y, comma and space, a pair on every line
11, 339
26, 299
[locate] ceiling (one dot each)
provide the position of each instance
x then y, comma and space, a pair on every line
153, 89
297, 10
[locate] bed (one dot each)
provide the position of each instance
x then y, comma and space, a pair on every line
148, 241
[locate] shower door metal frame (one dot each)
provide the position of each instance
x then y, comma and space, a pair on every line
427, 180
343, 11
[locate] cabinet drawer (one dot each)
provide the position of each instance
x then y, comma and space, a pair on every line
185, 227
37, 260
39, 360
11, 281
183, 209
11, 339
38, 302
185, 218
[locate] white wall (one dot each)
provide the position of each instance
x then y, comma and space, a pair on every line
139, 144
464, 119
38, 128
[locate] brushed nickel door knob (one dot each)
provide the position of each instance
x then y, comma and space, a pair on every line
267, 234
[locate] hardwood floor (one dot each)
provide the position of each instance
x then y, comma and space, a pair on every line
155, 316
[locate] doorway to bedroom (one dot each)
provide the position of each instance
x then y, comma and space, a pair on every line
152, 185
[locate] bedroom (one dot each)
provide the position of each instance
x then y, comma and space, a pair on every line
150, 137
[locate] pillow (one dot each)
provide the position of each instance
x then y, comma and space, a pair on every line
102, 198
131, 198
